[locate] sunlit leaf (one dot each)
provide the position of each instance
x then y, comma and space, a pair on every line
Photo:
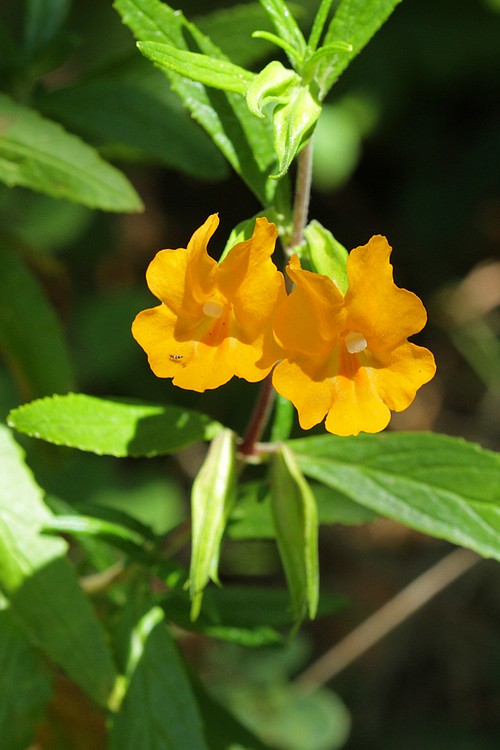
39, 154
112, 426
41, 585
443, 486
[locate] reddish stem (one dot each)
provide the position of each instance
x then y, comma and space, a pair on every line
259, 418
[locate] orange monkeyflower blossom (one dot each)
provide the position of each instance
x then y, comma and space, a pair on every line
347, 357
215, 320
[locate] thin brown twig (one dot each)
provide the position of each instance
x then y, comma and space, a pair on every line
389, 616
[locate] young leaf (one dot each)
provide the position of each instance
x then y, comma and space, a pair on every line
25, 685
355, 22
439, 485
31, 338
277, 92
39, 154
159, 709
244, 140
41, 585
296, 523
218, 74
326, 254
287, 29
112, 427
212, 498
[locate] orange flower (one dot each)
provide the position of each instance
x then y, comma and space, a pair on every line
214, 321
348, 357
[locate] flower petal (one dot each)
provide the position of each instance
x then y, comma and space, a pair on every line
183, 278
384, 313
311, 397
403, 372
307, 321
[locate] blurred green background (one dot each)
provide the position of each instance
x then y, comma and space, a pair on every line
408, 146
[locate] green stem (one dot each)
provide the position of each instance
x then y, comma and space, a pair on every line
263, 407
302, 195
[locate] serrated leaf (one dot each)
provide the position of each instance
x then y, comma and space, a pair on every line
112, 427
25, 685
212, 498
158, 710
355, 22
41, 585
243, 139
129, 112
442, 486
296, 523
218, 74
39, 154
31, 338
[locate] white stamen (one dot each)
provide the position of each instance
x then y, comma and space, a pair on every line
355, 342
213, 309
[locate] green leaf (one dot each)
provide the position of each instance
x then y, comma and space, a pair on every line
439, 485
116, 534
25, 685
39, 154
41, 585
43, 20
231, 30
296, 524
219, 74
129, 112
245, 141
31, 338
287, 29
355, 22
159, 709
251, 517
112, 427
277, 94
326, 254
212, 498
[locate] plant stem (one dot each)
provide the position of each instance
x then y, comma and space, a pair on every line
302, 194
263, 407
259, 418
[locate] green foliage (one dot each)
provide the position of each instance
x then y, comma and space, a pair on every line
326, 255
25, 684
31, 339
129, 113
433, 483
245, 142
204, 95
45, 598
112, 426
41, 155
159, 709
296, 523
212, 497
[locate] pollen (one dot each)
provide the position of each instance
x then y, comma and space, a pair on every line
213, 308
355, 342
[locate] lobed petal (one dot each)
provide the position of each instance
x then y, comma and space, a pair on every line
311, 396
184, 277
386, 314
405, 369
307, 322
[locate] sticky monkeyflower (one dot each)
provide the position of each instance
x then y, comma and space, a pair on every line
215, 320
348, 357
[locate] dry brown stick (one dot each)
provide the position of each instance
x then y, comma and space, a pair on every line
388, 617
